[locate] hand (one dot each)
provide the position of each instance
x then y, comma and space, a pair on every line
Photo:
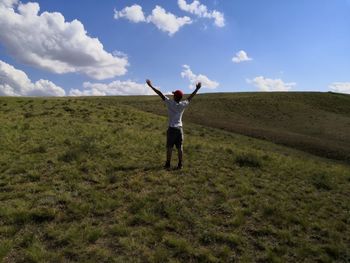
149, 83
199, 85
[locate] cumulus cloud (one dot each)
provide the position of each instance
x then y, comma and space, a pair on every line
340, 87
14, 82
266, 84
114, 88
133, 13
166, 21
8, 3
163, 20
49, 42
193, 78
241, 56
201, 10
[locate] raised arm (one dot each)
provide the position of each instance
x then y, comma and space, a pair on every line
149, 83
198, 86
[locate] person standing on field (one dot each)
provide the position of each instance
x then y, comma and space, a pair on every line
176, 108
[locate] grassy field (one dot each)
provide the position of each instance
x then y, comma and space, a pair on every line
318, 123
81, 179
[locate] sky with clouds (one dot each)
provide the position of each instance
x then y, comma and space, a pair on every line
109, 47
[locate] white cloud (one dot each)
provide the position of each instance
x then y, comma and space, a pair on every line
266, 84
241, 56
114, 88
193, 78
14, 82
166, 21
201, 10
8, 3
121, 54
341, 87
49, 42
163, 20
133, 13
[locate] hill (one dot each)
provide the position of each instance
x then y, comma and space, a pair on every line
318, 123
81, 179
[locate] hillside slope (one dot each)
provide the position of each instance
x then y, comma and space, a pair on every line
81, 179
318, 123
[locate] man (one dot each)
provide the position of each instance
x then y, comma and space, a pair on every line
176, 108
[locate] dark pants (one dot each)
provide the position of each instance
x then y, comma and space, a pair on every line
175, 137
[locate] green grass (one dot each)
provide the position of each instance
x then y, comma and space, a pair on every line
318, 123
81, 179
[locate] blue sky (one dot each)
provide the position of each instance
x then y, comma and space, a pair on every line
294, 45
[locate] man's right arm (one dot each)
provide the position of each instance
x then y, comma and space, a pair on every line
149, 83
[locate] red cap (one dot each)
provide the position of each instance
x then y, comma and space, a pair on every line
178, 93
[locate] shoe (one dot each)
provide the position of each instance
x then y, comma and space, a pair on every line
179, 166
166, 165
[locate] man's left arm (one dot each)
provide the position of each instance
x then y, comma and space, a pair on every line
198, 86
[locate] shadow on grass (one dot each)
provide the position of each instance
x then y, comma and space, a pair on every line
129, 168
152, 168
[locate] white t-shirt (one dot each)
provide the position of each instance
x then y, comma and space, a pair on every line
175, 111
